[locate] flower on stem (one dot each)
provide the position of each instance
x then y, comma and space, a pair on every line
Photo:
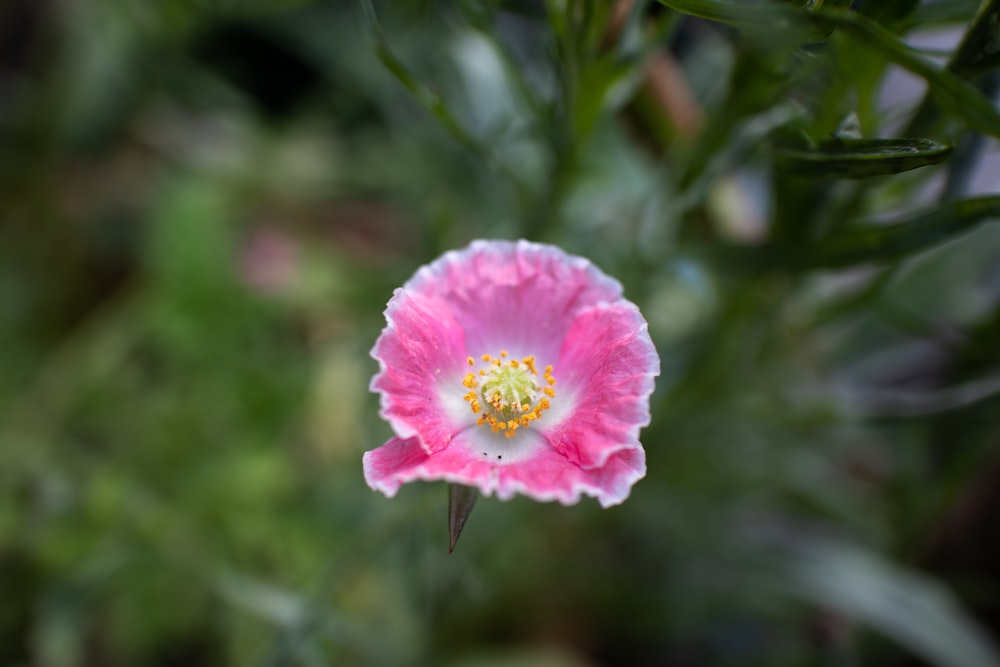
513, 367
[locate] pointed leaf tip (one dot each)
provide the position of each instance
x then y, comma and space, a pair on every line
845, 157
461, 500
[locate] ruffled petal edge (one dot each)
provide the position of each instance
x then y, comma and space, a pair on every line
605, 377
546, 476
420, 355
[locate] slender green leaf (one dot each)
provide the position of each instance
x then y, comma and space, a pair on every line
890, 13
892, 242
769, 18
429, 98
950, 91
871, 243
740, 14
913, 610
944, 11
861, 158
979, 51
976, 55
596, 79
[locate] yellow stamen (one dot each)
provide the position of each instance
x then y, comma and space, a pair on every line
507, 393
529, 361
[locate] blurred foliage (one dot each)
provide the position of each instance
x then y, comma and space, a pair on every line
206, 205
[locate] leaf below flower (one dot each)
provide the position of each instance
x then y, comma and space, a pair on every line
461, 500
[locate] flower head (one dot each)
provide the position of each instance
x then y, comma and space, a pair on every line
515, 368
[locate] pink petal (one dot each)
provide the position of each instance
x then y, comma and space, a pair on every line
403, 460
545, 476
606, 369
519, 296
421, 354
550, 476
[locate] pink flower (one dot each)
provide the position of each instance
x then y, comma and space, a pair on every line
514, 368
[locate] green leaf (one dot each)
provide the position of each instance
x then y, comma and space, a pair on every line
943, 12
424, 93
596, 79
870, 243
976, 55
906, 606
861, 158
892, 14
892, 242
950, 91
739, 14
461, 500
979, 51
767, 18
428, 97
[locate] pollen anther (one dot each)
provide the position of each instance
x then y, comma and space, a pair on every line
508, 396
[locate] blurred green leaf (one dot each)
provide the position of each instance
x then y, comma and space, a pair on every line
596, 79
872, 243
863, 243
950, 91
902, 604
754, 14
975, 56
739, 14
279, 606
429, 97
190, 238
890, 13
944, 11
423, 93
767, 18
979, 51
861, 158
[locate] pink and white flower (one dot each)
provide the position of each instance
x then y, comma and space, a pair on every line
515, 368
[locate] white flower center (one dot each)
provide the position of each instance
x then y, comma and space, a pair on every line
509, 394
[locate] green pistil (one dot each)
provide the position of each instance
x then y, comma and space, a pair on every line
517, 387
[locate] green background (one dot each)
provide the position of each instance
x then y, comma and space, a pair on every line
205, 205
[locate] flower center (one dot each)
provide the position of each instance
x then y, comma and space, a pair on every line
506, 393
